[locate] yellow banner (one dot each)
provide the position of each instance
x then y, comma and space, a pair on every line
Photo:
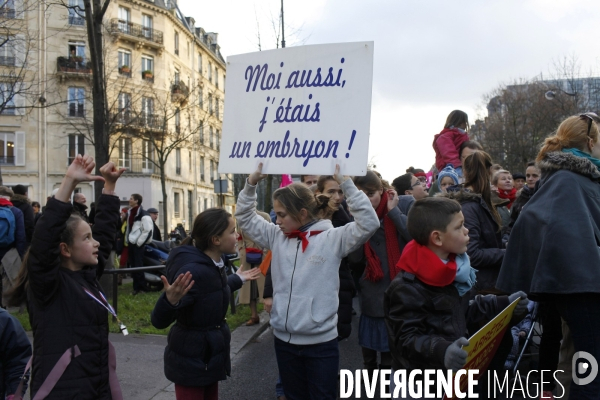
483, 344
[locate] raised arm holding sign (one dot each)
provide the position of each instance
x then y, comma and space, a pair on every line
306, 254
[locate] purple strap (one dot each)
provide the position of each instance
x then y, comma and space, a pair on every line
19, 393
59, 369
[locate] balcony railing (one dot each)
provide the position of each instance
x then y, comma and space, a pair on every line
76, 110
8, 61
9, 110
134, 165
73, 65
7, 13
125, 71
76, 20
136, 30
130, 120
148, 76
7, 160
179, 91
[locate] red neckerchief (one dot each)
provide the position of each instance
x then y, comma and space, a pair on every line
508, 194
427, 266
374, 272
303, 236
4, 202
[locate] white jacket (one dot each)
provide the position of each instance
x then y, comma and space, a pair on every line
306, 284
141, 231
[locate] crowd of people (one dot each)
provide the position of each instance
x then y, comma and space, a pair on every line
432, 256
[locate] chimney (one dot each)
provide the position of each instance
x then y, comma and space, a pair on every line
213, 36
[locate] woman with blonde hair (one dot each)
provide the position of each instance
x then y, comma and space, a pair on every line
553, 252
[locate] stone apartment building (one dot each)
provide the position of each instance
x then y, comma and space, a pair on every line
165, 82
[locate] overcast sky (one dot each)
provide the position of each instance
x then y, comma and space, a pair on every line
431, 56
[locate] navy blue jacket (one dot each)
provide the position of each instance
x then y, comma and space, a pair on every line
197, 352
554, 246
20, 237
15, 351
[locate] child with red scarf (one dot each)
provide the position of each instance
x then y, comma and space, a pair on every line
503, 181
376, 263
426, 309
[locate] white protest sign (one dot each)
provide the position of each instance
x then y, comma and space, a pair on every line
298, 110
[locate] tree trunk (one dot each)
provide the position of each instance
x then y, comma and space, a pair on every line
94, 17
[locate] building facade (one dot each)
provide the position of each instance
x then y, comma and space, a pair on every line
165, 94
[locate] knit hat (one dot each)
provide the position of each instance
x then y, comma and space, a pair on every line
518, 175
4, 191
448, 171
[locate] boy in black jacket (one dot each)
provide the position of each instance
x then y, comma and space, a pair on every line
15, 351
426, 306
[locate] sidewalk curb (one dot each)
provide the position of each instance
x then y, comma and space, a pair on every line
243, 335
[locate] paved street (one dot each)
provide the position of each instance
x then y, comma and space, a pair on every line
254, 368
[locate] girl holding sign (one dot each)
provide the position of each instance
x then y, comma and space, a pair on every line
67, 309
307, 252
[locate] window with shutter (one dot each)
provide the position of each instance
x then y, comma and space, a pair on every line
7, 149
76, 146
76, 12
147, 157
125, 153
76, 102
7, 51
202, 169
7, 98
176, 204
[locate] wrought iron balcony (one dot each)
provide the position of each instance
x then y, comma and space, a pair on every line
76, 20
148, 76
179, 91
8, 61
73, 67
125, 71
7, 160
142, 121
150, 35
134, 165
76, 110
6, 12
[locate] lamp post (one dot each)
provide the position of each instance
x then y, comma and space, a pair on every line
551, 94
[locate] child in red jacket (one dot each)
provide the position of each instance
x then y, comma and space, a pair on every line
447, 143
